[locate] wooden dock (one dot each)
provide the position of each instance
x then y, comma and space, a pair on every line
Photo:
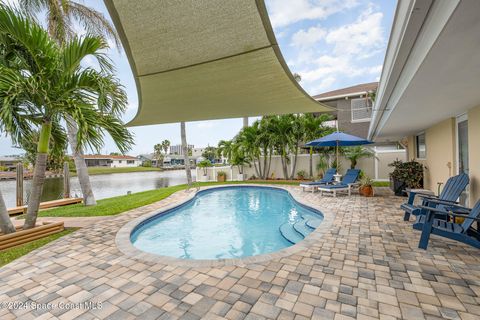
45, 205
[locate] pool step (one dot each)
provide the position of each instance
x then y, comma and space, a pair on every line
313, 223
301, 227
289, 233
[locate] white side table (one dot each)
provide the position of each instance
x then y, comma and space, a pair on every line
337, 177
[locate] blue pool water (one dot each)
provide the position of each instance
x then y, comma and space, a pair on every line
229, 222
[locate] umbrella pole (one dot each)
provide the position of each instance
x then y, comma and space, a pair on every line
337, 156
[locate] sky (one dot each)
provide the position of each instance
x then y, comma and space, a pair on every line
331, 43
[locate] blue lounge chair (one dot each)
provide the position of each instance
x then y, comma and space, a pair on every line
451, 192
460, 232
350, 179
327, 178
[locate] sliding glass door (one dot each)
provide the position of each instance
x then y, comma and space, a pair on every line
462, 151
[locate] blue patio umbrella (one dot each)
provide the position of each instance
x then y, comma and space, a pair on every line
338, 139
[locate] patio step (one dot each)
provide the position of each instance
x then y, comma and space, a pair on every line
301, 227
313, 223
287, 231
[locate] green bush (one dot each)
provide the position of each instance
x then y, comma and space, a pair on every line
410, 173
147, 163
302, 174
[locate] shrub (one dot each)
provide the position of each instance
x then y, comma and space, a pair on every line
147, 163
410, 173
302, 174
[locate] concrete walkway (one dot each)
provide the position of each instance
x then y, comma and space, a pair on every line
367, 266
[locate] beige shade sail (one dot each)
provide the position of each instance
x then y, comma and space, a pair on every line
205, 59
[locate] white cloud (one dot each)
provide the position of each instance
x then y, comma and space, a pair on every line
325, 57
285, 12
324, 85
359, 37
306, 38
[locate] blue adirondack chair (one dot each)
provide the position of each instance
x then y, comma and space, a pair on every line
451, 191
348, 182
327, 178
460, 232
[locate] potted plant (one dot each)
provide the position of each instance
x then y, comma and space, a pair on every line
221, 176
406, 175
301, 175
204, 164
366, 187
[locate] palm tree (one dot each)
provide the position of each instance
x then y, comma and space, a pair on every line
225, 149
61, 17
157, 153
165, 145
185, 151
6, 225
356, 153
43, 85
315, 129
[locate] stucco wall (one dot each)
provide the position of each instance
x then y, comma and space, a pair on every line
474, 153
440, 162
117, 164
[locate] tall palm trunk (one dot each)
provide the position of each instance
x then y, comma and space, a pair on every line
186, 158
6, 225
311, 162
269, 162
80, 165
245, 122
294, 165
38, 176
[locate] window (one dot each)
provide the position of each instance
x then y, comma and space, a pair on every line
119, 161
130, 161
361, 109
420, 146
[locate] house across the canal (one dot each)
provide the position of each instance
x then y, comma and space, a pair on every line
112, 161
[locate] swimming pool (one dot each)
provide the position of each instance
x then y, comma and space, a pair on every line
227, 222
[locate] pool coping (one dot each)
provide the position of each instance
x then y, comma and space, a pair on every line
123, 243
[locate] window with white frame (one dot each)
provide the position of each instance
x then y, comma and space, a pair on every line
361, 109
420, 145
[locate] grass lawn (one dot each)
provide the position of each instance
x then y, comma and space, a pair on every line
102, 170
381, 183
8, 255
116, 205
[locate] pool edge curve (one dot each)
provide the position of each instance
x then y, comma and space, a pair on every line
124, 244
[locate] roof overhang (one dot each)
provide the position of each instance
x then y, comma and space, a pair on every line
200, 60
431, 69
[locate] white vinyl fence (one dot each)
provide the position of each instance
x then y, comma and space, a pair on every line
376, 167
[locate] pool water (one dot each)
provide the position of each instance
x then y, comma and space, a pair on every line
220, 223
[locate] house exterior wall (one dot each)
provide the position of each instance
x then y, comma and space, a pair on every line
442, 149
344, 118
440, 146
123, 163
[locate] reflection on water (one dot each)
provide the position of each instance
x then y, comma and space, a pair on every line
104, 186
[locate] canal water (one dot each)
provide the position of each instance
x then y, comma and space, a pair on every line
104, 185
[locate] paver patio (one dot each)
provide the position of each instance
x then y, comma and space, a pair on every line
367, 266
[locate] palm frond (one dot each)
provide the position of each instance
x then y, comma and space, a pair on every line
30, 38
94, 22
79, 48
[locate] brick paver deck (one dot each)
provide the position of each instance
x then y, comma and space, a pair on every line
367, 266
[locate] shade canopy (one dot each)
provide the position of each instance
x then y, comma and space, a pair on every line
199, 60
338, 139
